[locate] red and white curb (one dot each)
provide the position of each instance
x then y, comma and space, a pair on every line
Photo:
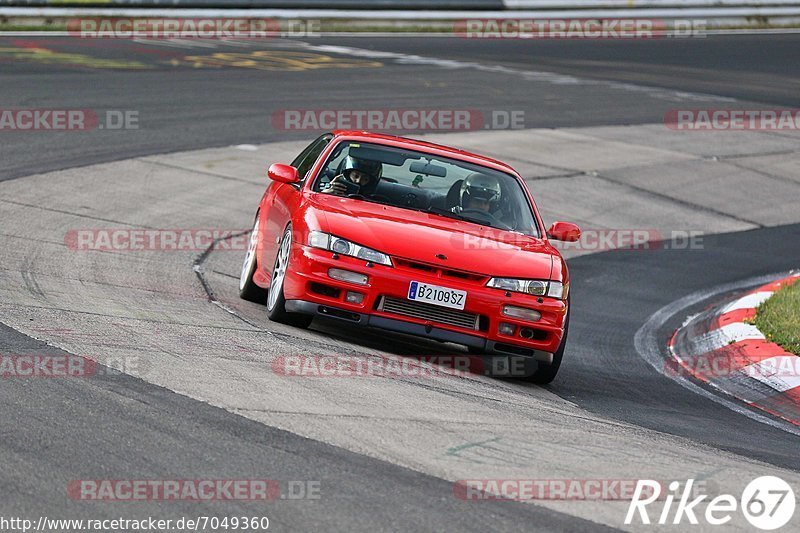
719, 348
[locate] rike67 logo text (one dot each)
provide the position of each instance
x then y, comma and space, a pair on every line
767, 503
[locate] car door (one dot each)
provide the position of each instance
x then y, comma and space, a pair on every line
282, 199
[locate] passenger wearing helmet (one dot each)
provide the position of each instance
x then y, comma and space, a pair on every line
357, 176
479, 192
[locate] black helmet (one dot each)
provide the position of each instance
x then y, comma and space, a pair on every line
481, 187
370, 168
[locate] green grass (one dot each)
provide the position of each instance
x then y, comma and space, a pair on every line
779, 318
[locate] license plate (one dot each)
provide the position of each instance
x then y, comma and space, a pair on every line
433, 294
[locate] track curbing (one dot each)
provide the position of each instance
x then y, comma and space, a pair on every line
721, 348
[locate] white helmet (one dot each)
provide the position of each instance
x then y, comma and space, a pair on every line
481, 187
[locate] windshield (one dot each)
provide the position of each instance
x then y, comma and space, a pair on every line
408, 179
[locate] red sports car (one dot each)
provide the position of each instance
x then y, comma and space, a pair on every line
413, 237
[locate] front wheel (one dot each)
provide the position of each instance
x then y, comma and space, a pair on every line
248, 290
276, 302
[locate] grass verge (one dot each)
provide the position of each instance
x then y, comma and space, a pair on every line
779, 318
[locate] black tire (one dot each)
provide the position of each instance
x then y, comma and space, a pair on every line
276, 302
248, 290
546, 373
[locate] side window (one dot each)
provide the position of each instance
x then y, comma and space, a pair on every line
329, 171
308, 157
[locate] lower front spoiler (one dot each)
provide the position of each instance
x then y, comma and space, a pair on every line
479, 344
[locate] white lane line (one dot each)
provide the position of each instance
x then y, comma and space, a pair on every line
247, 147
647, 346
179, 43
196, 43
174, 43
241, 44
529, 75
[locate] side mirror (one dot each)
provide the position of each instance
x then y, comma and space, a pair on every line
564, 231
283, 173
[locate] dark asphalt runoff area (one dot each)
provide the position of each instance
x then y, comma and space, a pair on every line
54, 431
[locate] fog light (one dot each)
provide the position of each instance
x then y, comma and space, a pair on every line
346, 275
506, 328
521, 313
354, 297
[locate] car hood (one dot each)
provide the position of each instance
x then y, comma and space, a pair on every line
419, 236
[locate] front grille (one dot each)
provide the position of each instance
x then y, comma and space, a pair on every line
439, 270
433, 313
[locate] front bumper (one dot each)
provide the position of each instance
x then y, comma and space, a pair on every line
310, 290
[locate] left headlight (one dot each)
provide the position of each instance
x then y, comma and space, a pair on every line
325, 241
535, 287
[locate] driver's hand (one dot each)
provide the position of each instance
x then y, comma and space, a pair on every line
336, 187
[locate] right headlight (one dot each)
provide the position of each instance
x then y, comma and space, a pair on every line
325, 241
535, 287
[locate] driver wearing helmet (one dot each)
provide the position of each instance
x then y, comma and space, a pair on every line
358, 176
479, 192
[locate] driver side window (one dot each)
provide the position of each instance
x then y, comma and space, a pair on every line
308, 157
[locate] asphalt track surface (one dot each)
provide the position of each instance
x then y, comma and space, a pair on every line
183, 107
119, 426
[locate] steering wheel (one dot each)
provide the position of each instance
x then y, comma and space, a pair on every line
410, 200
485, 215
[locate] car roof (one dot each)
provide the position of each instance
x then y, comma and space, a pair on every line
424, 146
